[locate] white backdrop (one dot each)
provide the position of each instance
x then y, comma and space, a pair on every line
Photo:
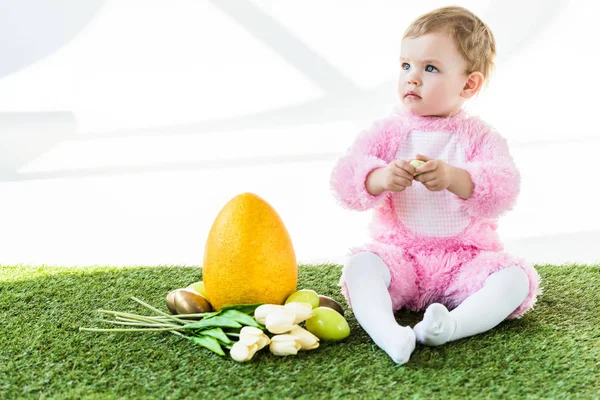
127, 125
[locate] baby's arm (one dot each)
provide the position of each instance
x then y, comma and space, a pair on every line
495, 178
371, 150
461, 183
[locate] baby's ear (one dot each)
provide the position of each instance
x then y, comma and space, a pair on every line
472, 85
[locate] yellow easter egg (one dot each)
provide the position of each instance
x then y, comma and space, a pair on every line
249, 257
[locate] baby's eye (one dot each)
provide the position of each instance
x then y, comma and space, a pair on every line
431, 68
405, 66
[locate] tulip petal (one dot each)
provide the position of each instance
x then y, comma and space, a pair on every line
307, 340
280, 321
249, 340
284, 345
239, 352
261, 312
303, 311
250, 330
264, 340
252, 350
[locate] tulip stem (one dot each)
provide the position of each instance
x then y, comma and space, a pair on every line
141, 320
153, 320
157, 310
131, 329
141, 324
127, 317
122, 314
192, 316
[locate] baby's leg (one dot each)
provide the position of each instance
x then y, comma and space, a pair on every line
503, 292
367, 279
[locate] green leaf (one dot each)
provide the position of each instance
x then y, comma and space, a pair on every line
214, 322
242, 318
210, 314
233, 330
218, 334
209, 342
245, 308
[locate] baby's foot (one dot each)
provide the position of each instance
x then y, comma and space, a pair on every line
437, 326
401, 344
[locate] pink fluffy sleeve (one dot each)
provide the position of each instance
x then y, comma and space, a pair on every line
495, 178
371, 150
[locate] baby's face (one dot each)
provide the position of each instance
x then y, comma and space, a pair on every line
432, 75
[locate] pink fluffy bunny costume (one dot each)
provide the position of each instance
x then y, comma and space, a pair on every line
438, 247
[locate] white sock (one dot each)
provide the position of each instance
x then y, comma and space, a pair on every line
368, 278
502, 293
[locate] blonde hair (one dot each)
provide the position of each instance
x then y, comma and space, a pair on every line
474, 39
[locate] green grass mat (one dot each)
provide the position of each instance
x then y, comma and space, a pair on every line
552, 352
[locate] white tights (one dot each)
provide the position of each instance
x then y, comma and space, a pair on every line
368, 279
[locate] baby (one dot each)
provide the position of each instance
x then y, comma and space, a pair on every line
435, 246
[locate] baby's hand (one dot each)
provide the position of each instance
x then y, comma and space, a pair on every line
395, 177
434, 174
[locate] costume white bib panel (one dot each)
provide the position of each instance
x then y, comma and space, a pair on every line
422, 211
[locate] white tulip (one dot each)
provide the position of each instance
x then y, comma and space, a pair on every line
303, 311
284, 345
240, 352
280, 321
261, 312
307, 340
250, 335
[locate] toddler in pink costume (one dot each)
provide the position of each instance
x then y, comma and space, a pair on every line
435, 245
